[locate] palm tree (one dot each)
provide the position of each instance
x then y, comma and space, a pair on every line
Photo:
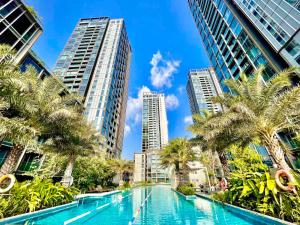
121, 167
177, 154
220, 143
255, 113
71, 137
15, 109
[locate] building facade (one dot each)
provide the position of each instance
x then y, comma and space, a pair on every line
154, 138
95, 63
19, 27
235, 41
147, 167
202, 85
154, 122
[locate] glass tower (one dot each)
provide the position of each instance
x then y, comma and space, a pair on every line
201, 87
234, 43
95, 63
154, 122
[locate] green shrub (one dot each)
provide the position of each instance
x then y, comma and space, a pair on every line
251, 186
90, 172
258, 192
186, 189
125, 186
33, 195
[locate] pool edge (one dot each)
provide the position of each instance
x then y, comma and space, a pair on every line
43, 212
242, 211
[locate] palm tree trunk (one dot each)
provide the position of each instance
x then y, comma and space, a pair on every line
278, 154
67, 179
224, 163
176, 180
10, 163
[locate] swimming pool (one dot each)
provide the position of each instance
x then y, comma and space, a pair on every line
144, 206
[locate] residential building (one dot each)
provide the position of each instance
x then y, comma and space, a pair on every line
243, 35
19, 27
154, 122
95, 63
154, 138
147, 167
202, 85
31, 59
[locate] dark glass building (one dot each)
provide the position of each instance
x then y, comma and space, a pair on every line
241, 35
19, 27
95, 63
234, 41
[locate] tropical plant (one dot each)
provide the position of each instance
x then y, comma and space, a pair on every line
15, 109
177, 154
186, 188
251, 186
210, 161
33, 195
255, 113
120, 167
218, 145
91, 172
71, 137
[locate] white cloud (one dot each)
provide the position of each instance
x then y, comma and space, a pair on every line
162, 70
188, 119
181, 89
172, 102
134, 106
127, 130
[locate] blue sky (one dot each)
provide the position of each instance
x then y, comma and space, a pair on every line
165, 44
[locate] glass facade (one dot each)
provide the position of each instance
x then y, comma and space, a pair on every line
32, 60
95, 63
278, 21
230, 48
18, 28
201, 87
154, 122
30, 162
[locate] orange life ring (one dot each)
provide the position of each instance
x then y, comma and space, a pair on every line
284, 173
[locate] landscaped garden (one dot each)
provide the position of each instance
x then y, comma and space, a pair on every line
42, 116
253, 115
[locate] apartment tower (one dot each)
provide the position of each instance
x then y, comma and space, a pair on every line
241, 35
95, 63
201, 87
154, 122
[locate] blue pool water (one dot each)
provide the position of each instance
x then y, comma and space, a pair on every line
160, 204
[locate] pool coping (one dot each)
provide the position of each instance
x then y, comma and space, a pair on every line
246, 212
25, 216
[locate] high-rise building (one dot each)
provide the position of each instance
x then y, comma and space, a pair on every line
154, 137
201, 87
19, 27
243, 35
95, 63
154, 122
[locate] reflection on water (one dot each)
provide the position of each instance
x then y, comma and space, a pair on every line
162, 207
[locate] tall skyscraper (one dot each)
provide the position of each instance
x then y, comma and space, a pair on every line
95, 63
201, 87
154, 122
242, 35
154, 137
